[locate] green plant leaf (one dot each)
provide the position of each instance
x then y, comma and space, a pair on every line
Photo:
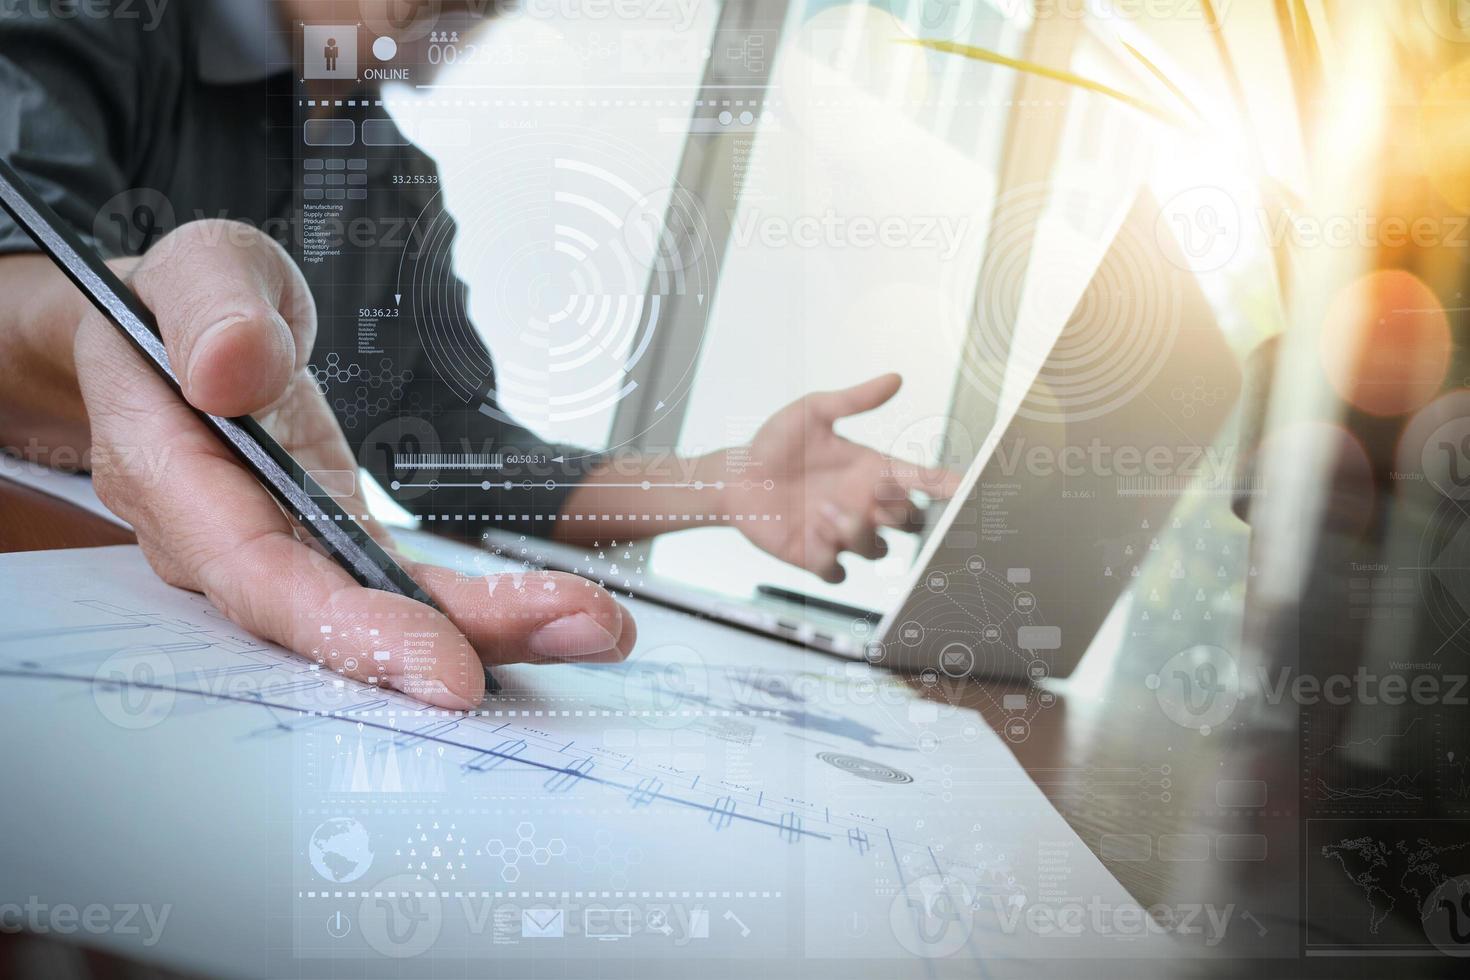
1163, 80
1056, 74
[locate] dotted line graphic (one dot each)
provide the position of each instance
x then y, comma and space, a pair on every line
539, 894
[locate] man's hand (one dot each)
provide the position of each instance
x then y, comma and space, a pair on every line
239, 324
830, 495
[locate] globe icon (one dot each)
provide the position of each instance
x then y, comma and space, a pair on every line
340, 850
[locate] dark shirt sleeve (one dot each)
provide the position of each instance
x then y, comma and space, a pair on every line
69, 95
460, 497
422, 412
90, 109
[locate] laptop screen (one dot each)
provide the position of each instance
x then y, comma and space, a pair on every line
868, 134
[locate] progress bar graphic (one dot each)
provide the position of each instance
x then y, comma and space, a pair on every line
449, 461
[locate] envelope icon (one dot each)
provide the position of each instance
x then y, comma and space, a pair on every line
542, 923
956, 660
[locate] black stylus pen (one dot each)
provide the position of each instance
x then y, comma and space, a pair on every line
344, 539
813, 602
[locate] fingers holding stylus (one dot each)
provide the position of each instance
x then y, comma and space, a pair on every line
206, 524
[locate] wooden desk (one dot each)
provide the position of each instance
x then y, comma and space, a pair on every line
33, 521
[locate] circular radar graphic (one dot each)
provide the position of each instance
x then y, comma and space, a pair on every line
578, 254
865, 768
1090, 339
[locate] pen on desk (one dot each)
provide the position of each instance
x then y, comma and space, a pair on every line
825, 605
342, 537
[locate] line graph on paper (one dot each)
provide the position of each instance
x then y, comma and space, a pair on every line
361, 747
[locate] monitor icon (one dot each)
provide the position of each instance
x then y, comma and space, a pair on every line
607, 924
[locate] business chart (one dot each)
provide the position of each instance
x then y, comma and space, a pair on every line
734, 797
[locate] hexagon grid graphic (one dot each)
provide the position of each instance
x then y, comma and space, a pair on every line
515, 854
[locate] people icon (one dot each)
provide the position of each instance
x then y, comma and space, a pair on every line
331, 52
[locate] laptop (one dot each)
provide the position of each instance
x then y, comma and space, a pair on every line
1055, 515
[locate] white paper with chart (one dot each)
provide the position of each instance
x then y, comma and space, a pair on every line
730, 796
